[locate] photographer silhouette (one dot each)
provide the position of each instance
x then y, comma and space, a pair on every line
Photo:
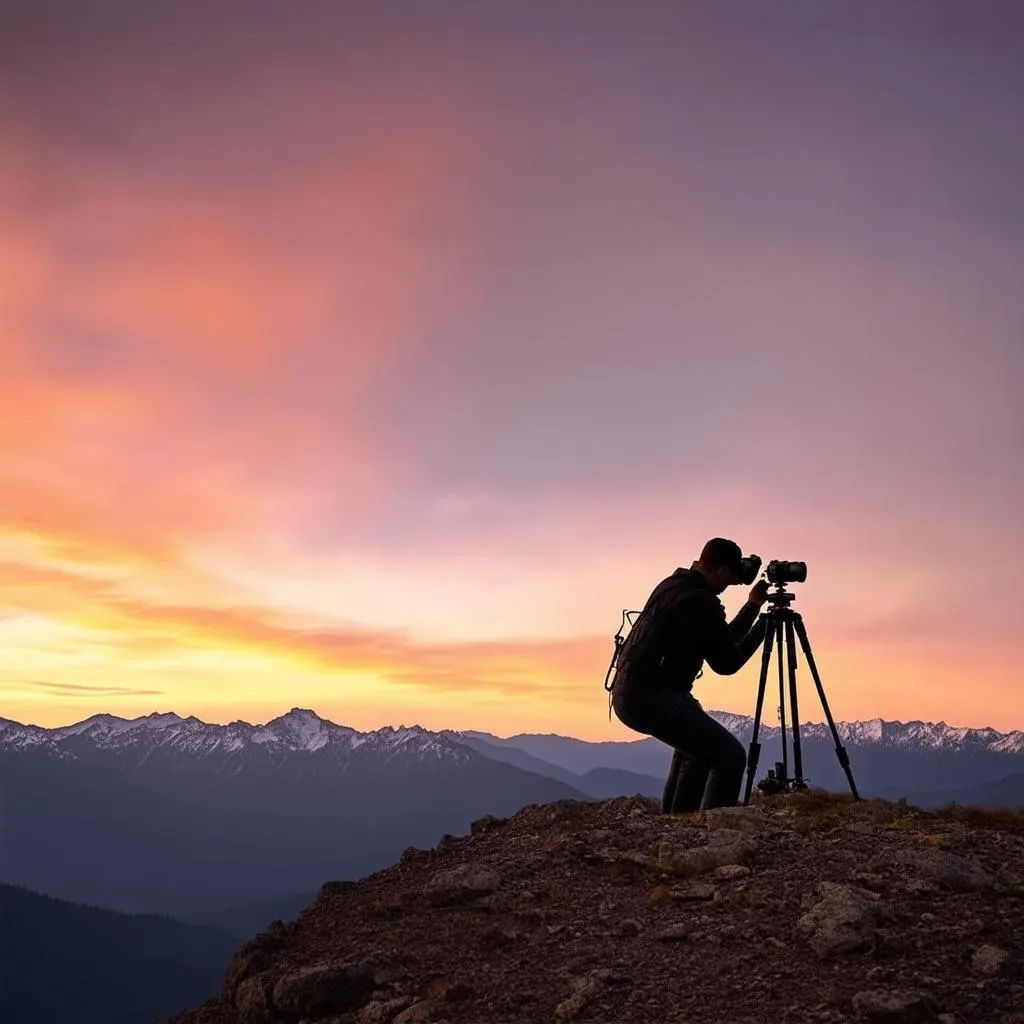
682, 625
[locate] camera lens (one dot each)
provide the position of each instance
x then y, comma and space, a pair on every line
779, 572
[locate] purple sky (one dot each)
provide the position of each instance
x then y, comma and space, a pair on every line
467, 325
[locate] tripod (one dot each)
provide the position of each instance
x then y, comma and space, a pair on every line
783, 621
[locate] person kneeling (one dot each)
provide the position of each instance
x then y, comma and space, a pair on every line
682, 625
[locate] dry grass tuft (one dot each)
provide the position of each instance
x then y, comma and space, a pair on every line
1004, 819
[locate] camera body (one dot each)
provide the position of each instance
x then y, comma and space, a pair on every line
749, 567
780, 573
777, 572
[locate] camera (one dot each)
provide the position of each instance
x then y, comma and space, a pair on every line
779, 573
748, 569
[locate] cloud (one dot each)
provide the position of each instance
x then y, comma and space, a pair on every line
80, 690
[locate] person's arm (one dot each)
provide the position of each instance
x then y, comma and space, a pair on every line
723, 652
743, 620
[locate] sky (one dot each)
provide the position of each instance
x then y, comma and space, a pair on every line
372, 358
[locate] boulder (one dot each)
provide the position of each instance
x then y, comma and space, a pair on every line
938, 867
989, 960
726, 848
843, 919
894, 1006
326, 987
461, 884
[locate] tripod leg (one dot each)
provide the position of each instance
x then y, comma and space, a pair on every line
755, 748
798, 764
844, 758
782, 708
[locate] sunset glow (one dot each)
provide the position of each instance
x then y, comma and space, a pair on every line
375, 365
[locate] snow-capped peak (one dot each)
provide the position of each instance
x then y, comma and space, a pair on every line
108, 725
878, 731
300, 729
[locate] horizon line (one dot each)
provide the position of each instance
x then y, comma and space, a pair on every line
341, 725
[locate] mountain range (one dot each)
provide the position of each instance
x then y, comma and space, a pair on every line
173, 815
224, 824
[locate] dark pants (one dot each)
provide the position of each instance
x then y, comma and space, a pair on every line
708, 763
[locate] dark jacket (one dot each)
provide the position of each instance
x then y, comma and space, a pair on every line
683, 625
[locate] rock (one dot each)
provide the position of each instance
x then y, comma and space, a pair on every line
446, 842
659, 896
252, 999
676, 932
387, 974
728, 838
695, 891
732, 871
420, 1012
461, 884
572, 1006
564, 810
603, 854
326, 987
629, 927
689, 861
869, 880
635, 857
253, 957
496, 903
842, 921
488, 823
338, 888
988, 960
741, 819
894, 1006
381, 1011
938, 867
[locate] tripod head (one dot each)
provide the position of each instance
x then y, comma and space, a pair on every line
780, 597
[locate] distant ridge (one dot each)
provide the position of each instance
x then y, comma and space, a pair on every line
63, 962
912, 733
302, 729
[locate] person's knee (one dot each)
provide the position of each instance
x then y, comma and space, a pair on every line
734, 757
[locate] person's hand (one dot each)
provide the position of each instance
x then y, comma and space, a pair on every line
759, 593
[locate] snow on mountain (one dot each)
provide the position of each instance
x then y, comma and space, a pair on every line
300, 731
878, 732
303, 731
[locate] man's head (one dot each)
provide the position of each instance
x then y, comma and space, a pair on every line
719, 563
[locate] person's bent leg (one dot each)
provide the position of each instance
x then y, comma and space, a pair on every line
691, 782
720, 756
670, 783
669, 791
728, 762
675, 718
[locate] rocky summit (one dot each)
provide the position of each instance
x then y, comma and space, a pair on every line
802, 907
